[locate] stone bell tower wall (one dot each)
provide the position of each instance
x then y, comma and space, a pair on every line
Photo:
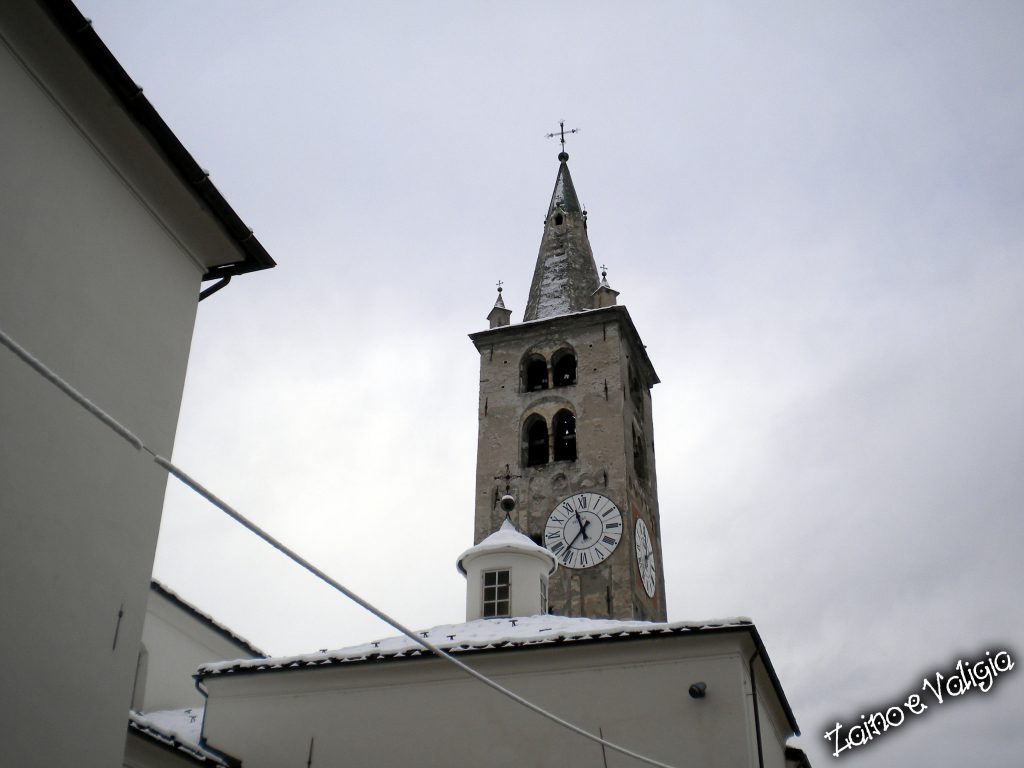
610, 395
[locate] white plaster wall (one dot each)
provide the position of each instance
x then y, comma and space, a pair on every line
97, 285
177, 643
419, 712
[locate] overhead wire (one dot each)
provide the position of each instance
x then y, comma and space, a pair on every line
128, 436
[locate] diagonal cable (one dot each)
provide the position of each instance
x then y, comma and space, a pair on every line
128, 436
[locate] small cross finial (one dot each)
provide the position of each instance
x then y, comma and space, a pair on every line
508, 477
604, 271
563, 155
499, 284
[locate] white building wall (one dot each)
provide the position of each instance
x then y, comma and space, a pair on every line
97, 280
176, 643
774, 729
770, 717
421, 712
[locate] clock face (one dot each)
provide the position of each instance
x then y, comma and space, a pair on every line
583, 530
645, 558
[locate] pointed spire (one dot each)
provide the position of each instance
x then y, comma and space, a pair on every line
605, 295
499, 316
564, 196
565, 277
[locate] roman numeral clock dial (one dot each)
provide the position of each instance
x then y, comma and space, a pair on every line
583, 530
645, 557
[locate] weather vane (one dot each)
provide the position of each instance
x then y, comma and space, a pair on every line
561, 133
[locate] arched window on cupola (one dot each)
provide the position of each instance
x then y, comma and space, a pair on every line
535, 441
535, 373
565, 436
563, 368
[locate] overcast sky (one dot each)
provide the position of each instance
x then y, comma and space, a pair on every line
814, 214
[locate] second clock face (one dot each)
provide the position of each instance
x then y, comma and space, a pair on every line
583, 530
645, 558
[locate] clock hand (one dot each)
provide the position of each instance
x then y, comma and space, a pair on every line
579, 522
578, 534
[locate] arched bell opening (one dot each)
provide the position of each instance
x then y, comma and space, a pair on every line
535, 441
565, 436
563, 368
535, 373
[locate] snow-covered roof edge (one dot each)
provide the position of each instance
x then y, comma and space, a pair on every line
172, 740
507, 538
492, 635
206, 619
480, 635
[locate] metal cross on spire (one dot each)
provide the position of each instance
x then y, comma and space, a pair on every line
561, 133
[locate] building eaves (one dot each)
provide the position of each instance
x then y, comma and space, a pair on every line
480, 636
79, 32
206, 619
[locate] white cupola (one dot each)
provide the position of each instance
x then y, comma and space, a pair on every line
506, 575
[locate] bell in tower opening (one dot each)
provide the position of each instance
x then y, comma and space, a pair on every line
566, 428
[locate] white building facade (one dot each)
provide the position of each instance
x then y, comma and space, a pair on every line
176, 639
391, 703
107, 230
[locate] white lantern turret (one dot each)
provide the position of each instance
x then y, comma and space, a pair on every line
506, 575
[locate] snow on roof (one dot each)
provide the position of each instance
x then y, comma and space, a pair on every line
480, 635
493, 635
553, 293
507, 539
176, 728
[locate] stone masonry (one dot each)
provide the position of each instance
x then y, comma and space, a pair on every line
611, 400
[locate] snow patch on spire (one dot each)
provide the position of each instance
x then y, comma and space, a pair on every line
553, 294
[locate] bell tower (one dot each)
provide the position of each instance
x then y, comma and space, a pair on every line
565, 428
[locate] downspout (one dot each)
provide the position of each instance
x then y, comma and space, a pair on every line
215, 287
757, 716
228, 760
